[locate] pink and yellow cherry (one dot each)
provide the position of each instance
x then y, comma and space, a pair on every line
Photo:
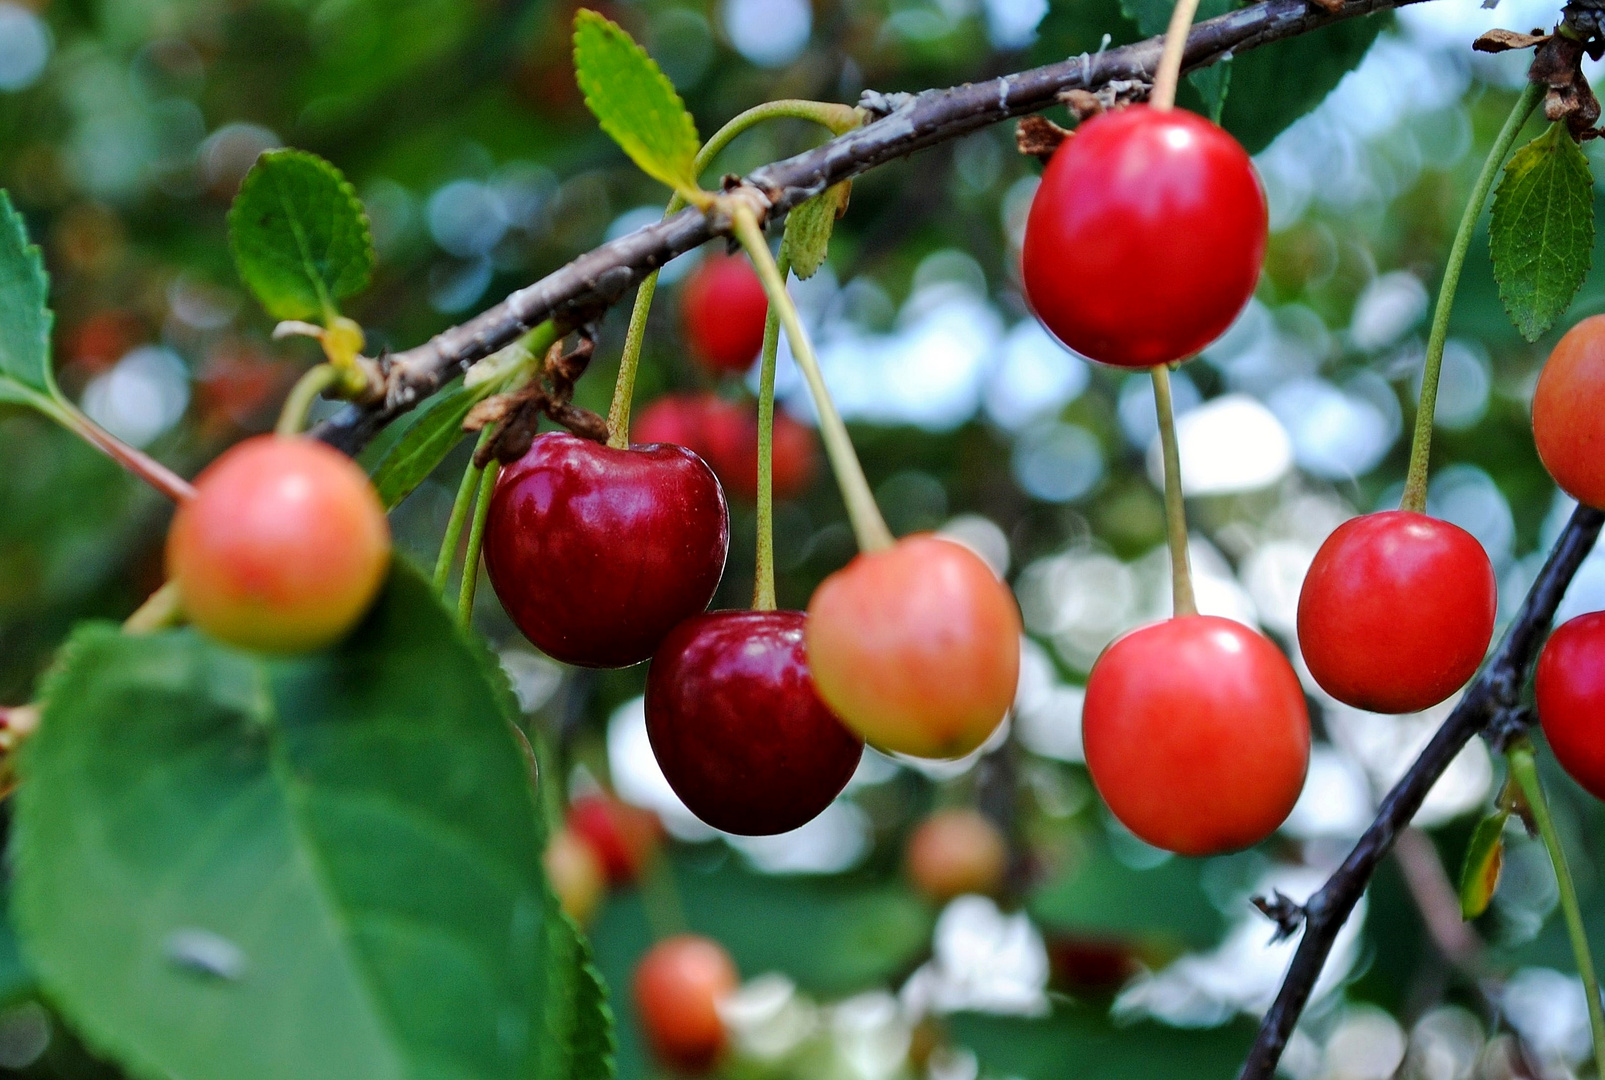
1396, 611
597, 553
282, 549
723, 308
624, 838
738, 728
1196, 734
954, 852
1570, 686
1569, 412
1145, 238
916, 647
576, 874
679, 984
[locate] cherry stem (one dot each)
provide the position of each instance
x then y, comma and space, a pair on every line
1163, 94
1525, 770
1415, 483
835, 118
139, 463
459, 517
1181, 574
162, 609
763, 585
476, 538
307, 389
868, 526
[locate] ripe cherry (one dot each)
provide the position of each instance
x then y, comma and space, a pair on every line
1397, 611
1571, 699
1145, 238
957, 851
1196, 734
725, 434
598, 553
625, 838
576, 874
1569, 412
916, 647
724, 308
283, 547
678, 986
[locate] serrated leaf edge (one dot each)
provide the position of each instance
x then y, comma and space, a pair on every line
12, 221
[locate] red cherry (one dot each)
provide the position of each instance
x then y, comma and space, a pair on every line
724, 308
283, 547
1397, 611
953, 852
1571, 699
738, 728
1569, 412
917, 647
598, 553
624, 837
678, 986
1145, 238
725, 434
675, 418
1196, 734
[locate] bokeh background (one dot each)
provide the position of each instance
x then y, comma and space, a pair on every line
126, 125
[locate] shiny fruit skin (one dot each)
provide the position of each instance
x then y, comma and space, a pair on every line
625, 838
1571, 699
678, 986
1569, 412
1145, 238
738, 728
576, 874
1196, 734
283, 548
954, 852
597, 553
1396, 611
725, 435
916, 647
723, 307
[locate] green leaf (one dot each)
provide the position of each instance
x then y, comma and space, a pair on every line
1212, 83
25, 316
1541, 238
583, 1027
300, 236
1153, 17
426, 443
808, 229
1485, 857
1274, 85
634, 101
325, 866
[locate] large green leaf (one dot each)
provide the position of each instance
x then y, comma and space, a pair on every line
634, 101
425, 444
300, 236
322, 867
1274, 85
1541, 237
25, 316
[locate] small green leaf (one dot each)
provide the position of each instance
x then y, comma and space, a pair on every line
426, 443
25, 316
300, 236
808, 229
634, 101
1541, 238
1485, 857
1212, 83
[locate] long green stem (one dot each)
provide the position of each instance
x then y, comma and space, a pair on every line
763, 584
1415, 484
476, 537
1525, 770
833, 117
868, 526
1181, 574
293, 416
459, 517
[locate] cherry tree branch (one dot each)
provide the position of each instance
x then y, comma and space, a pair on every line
1491, 707
580, 291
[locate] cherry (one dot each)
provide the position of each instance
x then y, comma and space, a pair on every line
283, 547
1397, 611
678, 986
1567, 409
957, 851
1196, 734
1145, 238
725, 434
576, 874
625, 838
916, 647
738, 728
1570, 686
598, 553
724, 308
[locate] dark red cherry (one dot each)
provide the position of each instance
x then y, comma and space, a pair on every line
1570, 687
1145, 238
1397, 611
598, 553
724, 309
737, 726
